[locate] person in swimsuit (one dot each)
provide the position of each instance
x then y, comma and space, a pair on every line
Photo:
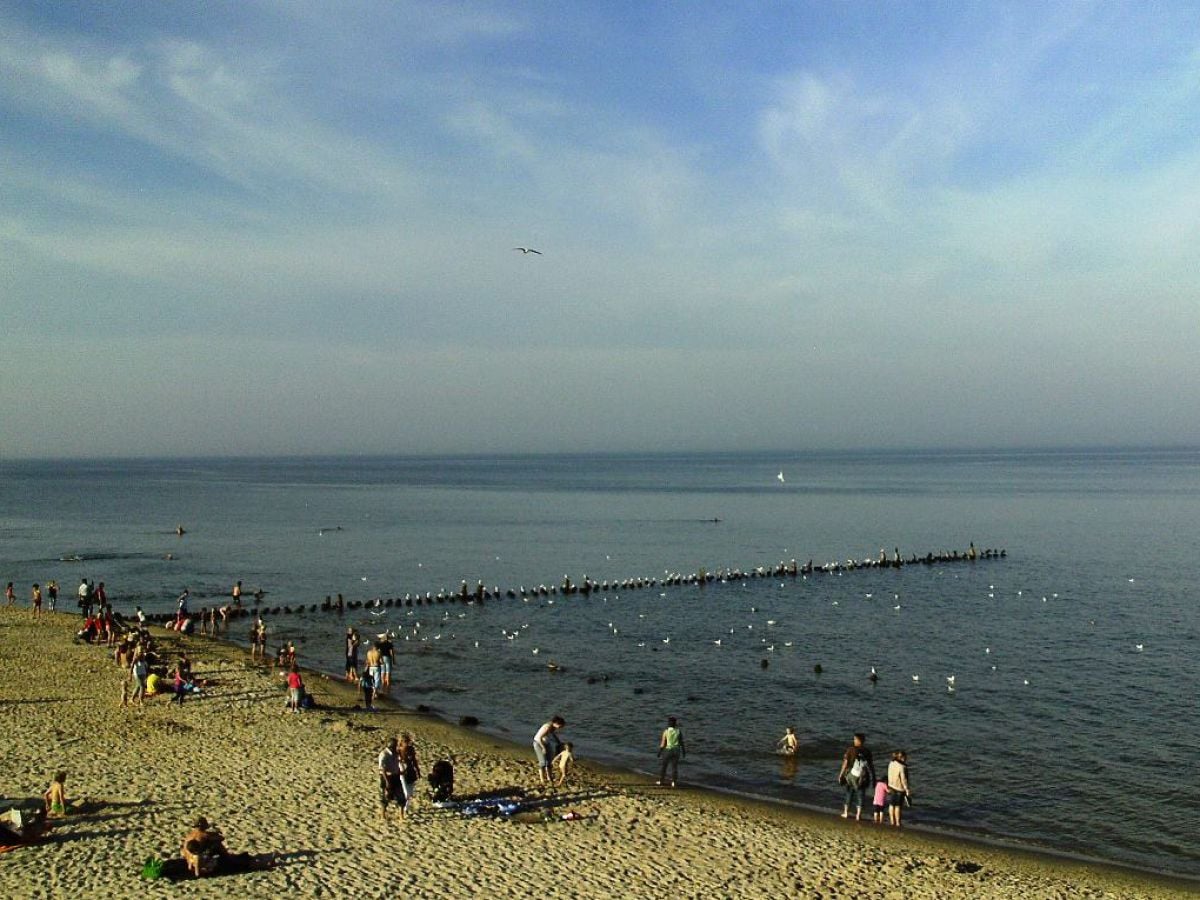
789, 744
37, 601
10, 595
56, 796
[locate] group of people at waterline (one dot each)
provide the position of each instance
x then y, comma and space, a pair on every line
398, 766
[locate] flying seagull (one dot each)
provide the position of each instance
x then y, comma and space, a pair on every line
528, 250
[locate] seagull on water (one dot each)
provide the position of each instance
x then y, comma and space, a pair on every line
781, 478
1138, 647
528, 250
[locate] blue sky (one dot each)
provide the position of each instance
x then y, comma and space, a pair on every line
288, 227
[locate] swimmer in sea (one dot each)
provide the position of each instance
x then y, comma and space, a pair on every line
789, 744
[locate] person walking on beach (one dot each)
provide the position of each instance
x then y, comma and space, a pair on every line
373, 657
295, 689
410, 771
36, 598
670, 751
857, 774
898, 793
367, 684
390, 789
541, 746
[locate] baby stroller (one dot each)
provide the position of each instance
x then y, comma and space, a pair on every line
441, 781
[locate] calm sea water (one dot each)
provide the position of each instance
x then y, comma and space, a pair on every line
1060, 732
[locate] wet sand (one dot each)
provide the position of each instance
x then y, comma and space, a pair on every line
303, 788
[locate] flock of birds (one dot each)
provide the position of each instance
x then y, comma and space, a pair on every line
422, 629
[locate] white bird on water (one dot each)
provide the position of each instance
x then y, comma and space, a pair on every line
916, 679
1138, 647
717, 642
780, 477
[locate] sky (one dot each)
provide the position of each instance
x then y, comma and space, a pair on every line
253, 228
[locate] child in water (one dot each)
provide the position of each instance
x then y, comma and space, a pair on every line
789, 744
880, 800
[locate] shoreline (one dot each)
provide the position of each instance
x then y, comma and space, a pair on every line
313, 775
943, 838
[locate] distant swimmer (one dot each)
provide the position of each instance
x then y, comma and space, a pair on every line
179, 530
528, 250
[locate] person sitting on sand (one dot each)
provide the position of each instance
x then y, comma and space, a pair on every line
563, 762
56, 796
789, 744
203, 848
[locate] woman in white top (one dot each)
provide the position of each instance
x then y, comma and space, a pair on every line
897, 782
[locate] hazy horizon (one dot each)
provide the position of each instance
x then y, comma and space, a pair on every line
263, 229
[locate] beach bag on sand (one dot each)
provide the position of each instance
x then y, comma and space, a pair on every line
152, 868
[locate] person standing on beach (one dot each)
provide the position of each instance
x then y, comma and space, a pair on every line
52, 594
367, 683
10, 595
139, 671
541, 746
85, 594
181, 605
36, 598
295, 689
390, 789
857, 774
898, 793
237, 594
372, 661
670, 750
387, 655
351, 654
410, 771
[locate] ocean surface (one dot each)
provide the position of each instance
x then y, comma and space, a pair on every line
1072, 721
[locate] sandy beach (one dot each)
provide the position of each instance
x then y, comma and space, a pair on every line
302, 789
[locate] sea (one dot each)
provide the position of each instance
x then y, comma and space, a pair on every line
1069, 725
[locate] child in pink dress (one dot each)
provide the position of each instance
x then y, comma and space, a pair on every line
880, 800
